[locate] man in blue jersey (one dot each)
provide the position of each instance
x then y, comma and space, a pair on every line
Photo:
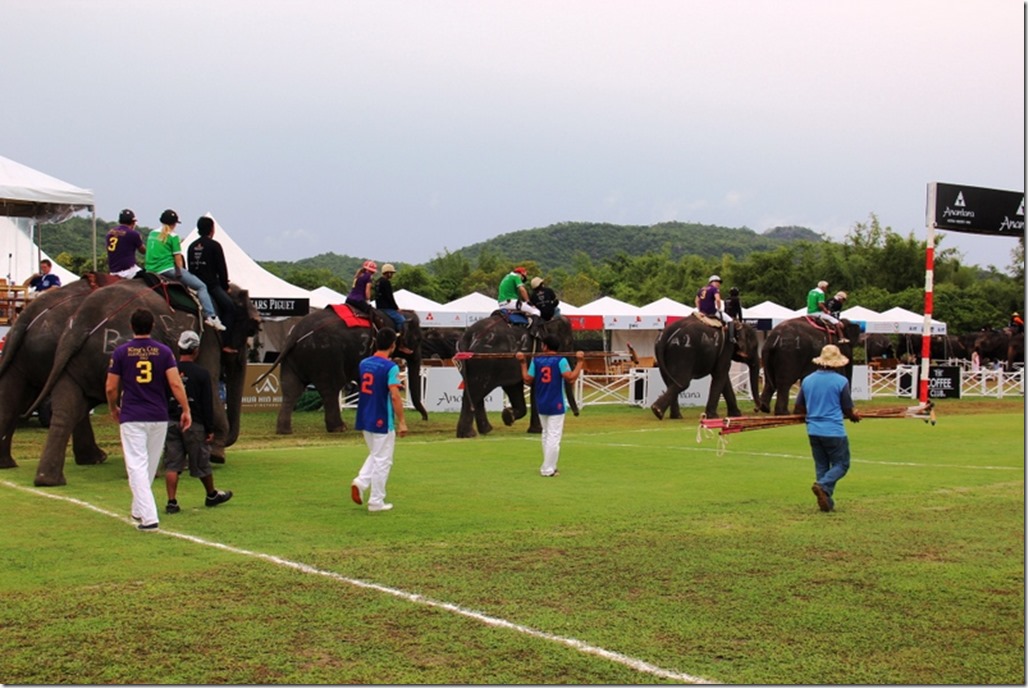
824, 399
546, 375
380, 418
142, 373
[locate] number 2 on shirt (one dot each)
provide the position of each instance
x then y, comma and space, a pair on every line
367, 380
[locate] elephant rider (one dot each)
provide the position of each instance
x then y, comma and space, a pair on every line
544, 298
1016, 322
817, 307
708, 302
386, 302
512, 294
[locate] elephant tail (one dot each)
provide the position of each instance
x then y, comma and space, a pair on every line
72, 340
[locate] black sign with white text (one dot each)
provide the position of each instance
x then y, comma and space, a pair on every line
273, 308
975, 210
944, 382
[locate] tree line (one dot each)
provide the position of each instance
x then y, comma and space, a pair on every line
876, 266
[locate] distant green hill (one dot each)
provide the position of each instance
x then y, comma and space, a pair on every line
551, 247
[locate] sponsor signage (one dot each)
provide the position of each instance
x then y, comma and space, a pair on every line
281, 308
944, 382
975, 210
264, 395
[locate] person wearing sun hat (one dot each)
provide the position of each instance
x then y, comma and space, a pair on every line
825, 399
386, 302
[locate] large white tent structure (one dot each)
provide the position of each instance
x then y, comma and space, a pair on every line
29, 197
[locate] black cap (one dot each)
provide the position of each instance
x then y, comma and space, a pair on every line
169, 217
126, 217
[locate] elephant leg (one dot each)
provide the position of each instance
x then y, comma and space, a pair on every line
292, 388
84, 446
669, 396
414, 389
69, 408
13, 393
782, 399
333, 414
675, 408
465, 425
481, 417
728, 393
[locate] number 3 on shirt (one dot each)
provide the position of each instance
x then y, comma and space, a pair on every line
144, 372
546, 374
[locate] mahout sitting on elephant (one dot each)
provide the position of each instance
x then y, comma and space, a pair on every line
693, 347
499, 340
788, 356
100, 324
325, 351
1005, 345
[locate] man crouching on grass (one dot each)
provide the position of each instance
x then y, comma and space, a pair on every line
825, 399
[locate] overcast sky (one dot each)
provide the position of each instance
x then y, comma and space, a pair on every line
396, 130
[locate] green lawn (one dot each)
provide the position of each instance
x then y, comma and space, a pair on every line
649, 559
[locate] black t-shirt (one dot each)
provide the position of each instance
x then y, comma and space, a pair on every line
384, 294
197, 382
206, 260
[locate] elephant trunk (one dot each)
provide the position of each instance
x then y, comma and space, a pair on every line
234, 367
754, 366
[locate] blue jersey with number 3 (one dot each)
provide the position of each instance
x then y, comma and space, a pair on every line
374, 404
548, 373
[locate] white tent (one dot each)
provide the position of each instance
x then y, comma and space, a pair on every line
323, 297
475, 306
27, 197
667, 310
902, 321
617, 315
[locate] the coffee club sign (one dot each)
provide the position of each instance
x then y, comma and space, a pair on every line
972, 209
271, 308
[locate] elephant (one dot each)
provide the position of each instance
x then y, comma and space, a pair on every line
788, 355
878, 346
324, 351
942, 347
100, 324
440, 342
689, 348
496, 336
1005, 345
27, 359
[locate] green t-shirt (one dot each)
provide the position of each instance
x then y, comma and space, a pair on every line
509, 287
814, 297
160, 255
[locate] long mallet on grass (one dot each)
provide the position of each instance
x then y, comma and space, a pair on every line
727, 426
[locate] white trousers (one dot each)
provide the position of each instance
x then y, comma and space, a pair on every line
553, 429
142, 444
375, 470
513, 305
830, 319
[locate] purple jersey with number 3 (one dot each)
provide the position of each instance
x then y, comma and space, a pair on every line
142, 365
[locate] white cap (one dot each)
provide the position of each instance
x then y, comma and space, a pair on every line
188, 340
713, 278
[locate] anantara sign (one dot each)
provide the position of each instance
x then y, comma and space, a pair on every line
975, 210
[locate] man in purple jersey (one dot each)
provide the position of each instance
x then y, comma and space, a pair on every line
546, 375
140, 376
380, 417
122, 244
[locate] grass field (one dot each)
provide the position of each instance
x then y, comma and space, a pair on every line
650, 559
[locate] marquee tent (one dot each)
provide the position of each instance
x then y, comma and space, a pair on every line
667, 310
902, 321
474, 306
27, 197
324, 296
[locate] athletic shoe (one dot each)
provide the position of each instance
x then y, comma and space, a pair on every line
215, 322
148, 527
380, 507
220, 498
824, 502
356, 492
172, 508
550, 475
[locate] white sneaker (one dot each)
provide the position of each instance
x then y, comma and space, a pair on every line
380, 507
215, 322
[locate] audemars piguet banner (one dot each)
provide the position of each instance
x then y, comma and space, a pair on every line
975, 210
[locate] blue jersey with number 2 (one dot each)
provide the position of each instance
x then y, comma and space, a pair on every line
374, 404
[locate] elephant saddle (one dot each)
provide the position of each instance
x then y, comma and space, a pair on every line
707, 320
349, 316
176, 294
515, 318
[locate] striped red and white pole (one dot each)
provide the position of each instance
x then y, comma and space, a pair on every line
926, 329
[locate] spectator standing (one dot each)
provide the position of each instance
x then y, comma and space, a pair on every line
164, 257
546, 375
206, 260
824, 398
544, 298
44, 279
380, 417
122, 243
191, 447
140, 376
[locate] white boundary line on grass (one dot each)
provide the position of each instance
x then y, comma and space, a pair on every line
573, 643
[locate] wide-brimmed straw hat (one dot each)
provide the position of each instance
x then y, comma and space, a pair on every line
831, 357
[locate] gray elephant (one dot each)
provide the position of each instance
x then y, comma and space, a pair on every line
100, 324
690, 348
498, 340
27, 359
788, 356
324, 351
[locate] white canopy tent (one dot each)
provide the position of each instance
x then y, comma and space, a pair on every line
322, 297
28, 197
903, 321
